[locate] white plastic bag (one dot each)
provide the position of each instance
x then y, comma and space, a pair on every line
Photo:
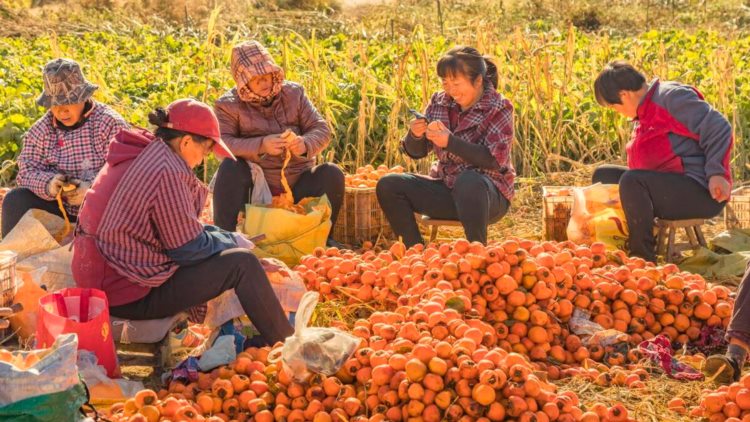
32, 235
103, 389
223, 308
578, 228
581, 325
313, 349
56, 371
58, 274
597, 216
260, 194
286, 283
222, 352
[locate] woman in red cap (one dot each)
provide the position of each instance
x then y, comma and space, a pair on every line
255, 116
140, 240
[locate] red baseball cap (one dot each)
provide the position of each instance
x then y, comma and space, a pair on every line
188, 115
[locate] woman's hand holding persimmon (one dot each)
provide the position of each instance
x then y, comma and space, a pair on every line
438, 134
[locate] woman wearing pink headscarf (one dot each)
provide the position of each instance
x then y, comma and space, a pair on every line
253, 116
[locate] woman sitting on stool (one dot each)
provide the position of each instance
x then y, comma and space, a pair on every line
469, 126
66, 146
140, 240
254, 117
678, 156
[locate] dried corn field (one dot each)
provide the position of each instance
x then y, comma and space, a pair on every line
364, 84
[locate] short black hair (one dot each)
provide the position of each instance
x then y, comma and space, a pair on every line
159, 118
617, 76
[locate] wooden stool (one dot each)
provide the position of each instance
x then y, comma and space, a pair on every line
136, 340
667, 229
435, 224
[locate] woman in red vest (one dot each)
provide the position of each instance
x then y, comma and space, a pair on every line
678, 168
139, 238
678, 155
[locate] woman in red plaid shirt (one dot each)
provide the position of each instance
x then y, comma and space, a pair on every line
66, 146
469, 127
139, 236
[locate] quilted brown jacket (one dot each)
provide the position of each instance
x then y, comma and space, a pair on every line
243, 126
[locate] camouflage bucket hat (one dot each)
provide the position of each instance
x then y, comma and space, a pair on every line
64, 84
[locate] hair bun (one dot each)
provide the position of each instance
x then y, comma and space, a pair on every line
158, 117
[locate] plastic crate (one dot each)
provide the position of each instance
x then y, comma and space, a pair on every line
557, 203
361, 218
737, 211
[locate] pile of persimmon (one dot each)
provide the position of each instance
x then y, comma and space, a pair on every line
146, 406
428, 380
461, 332
22, 360
528, 291
728, 403
368, 176
426, 361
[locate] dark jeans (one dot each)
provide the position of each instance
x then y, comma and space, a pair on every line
474, 200
649, 194
234, 183
194, 285
739, 325
18, 201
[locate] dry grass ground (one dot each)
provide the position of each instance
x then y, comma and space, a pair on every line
647, 404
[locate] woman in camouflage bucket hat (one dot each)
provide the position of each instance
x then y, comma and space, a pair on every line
65, 146
253, 116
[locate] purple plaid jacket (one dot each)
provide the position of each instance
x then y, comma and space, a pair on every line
78, 153
489, 122
154, 208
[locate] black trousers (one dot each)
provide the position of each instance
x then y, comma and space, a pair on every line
194, 285
18, 201
474, 201
234, 183
649, 194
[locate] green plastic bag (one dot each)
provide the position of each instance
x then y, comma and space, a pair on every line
712, 265
732, 240
288, 236
64, 406
727, 259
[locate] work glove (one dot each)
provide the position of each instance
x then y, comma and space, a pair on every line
242, 241
56, 184
75, 197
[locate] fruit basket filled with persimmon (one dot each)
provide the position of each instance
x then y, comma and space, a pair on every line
367, 177
361, 219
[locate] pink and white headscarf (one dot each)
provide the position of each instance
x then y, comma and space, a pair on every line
250, 59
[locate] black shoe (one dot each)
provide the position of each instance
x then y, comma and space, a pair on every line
334, 244
722, 369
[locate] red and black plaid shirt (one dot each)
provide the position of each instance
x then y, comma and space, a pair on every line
78, 153
154, 208
489, 122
